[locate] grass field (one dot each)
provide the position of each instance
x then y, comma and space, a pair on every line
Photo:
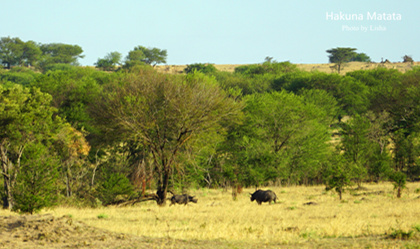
325, 67
369, 218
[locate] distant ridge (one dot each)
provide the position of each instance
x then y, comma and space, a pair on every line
326, 68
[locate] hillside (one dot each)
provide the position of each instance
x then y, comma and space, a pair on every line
351, 66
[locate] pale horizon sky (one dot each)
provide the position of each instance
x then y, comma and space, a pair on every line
219, 32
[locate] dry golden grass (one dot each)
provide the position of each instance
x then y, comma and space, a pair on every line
362, 217
325, 67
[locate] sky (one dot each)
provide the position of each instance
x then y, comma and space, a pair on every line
220, 31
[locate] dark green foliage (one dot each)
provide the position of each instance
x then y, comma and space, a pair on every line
337, 174
18, 75
164, 112
408, 59
362, 57
399, 180
15, 52
58, 67
401, 234
296, 81
255, 78
339, 56
205, 68
27, 124
36, 186
267, 67
283, 137
247, 85
73, 90
141, 55
351, 94
110, 61
56, 53
114, 187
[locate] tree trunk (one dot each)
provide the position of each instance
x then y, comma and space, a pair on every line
68, 187
399, 190
8, 198
163, 188
92, 183
9, 171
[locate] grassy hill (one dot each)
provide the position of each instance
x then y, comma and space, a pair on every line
351, 66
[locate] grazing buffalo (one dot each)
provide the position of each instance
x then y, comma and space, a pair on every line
264, 196
182, 199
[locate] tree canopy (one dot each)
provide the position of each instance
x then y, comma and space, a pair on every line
164, 113
142, 55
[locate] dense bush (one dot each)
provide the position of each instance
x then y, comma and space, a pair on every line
205, 68
283, 126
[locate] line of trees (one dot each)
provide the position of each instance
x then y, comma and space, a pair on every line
80, 135
15, 52
140, 55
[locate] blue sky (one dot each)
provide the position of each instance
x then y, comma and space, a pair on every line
220, 32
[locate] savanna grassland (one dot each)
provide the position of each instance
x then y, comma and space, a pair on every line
302, 217
323, 67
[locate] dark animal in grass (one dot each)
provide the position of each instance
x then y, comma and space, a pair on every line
182, 199
264, 196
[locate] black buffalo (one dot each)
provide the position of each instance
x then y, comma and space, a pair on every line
264, 196
182, 199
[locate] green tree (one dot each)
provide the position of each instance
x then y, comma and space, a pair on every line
142, 55
73, 90
355, 145
340, 56
15, 52
283, 137
113, 187
36, 183
337, 174
11, 51
379, 165
407, 58
110, 61
362, 57
163, 112
26, 117
56, 53
399, 180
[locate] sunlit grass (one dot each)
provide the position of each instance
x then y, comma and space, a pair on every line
216, 216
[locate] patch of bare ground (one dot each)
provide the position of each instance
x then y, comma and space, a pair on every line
47, 231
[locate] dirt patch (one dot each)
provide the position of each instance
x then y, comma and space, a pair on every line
41, 231
47, 231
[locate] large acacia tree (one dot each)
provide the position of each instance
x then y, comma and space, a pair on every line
339, 56
163, 112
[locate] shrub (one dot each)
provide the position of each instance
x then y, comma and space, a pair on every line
206, 68
407, 58
399, 180
113, 187
400, 234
